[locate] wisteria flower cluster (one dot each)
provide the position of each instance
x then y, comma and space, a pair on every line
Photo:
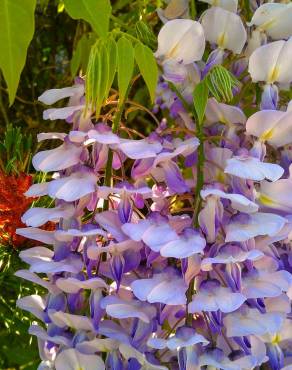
183, 259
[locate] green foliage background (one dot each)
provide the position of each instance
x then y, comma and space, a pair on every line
18, 350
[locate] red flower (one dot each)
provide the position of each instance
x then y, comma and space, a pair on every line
12, 205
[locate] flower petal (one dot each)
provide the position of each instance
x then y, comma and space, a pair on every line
63, 319
254, 225
61, 113
270, 62
139, 149
50, 97
122, 309
238, 201
229, 33
252, 323
274, 19
183, 247
251, 168
37, 190
220, 112
57, 159
181, 40
70, 359
73, 187
73, 285
38, 216
162, 288
34, 304
230, 5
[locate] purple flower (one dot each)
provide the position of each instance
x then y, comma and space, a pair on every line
172, 249
212, 297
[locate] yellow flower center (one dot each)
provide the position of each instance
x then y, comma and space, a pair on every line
276, 339
267, 135
221, 41
265, 200
173, 52
265, 26
274, 74
220, 176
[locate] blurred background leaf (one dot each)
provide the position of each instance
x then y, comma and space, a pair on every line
15, 15
95, 12
18, 350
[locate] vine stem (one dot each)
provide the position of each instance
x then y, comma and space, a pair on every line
115, 127
199, 185
200, 171
197, 205
109, 164
193, 9
119, 21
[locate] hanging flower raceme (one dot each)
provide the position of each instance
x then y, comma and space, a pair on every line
171, 250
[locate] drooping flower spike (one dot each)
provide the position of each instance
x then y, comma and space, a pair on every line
181, 258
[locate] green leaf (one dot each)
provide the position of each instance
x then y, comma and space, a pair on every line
100, 73
125, 65
148, 67
16, 31
81, 54
93, 77
200, 99
146, 35
95, 12
220, 83
103, 75
9, 166
112, 63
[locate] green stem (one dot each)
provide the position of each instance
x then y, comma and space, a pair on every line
193, 9
115, 127
200, 171
133, 38
189, 294
199, 186
185, 104
247, 8
198, 203
109, 164
119, 21
208, 327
